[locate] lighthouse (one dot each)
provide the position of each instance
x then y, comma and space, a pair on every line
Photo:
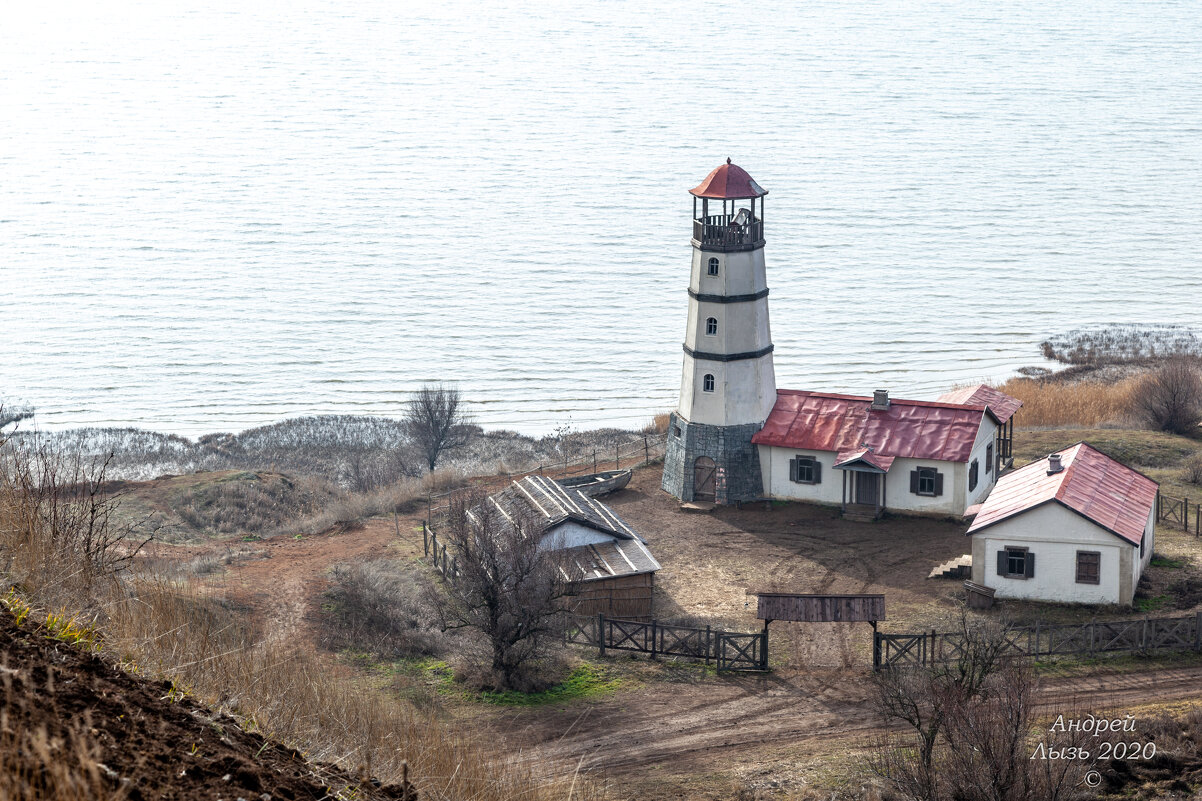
727, 385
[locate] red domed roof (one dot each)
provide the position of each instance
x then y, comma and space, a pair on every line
728, 182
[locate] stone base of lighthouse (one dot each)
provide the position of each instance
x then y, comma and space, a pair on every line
736, 461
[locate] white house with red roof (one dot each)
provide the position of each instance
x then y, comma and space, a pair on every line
871, 454
1076, 526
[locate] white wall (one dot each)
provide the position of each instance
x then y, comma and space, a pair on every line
774, 465
1054, 534
570, 534
985, 481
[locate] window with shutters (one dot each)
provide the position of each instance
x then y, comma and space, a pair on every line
713, 267
805, 470
711, 326
989, 458
707, 383
926, 481
973, 471
1014, 562
1089, 567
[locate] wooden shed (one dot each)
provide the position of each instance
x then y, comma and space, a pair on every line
608, 563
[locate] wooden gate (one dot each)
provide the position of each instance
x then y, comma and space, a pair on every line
742, 651
703, 479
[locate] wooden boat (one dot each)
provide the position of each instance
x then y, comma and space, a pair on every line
596, 484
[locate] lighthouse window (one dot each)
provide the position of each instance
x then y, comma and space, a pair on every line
707, 383
713, 266
711, 326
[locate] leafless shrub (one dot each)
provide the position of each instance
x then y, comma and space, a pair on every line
968, 728
1115, 344
508, 589
1170, 398
252, 503
1192, 472
385, 608
61, 515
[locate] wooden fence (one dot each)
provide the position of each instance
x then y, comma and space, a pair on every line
1046, 640
632, 453
1179, 511
729, 650
447, 564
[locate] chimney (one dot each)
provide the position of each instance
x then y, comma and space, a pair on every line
1054, 465
880, 400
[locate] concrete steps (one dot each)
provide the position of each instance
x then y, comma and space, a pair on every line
958, 568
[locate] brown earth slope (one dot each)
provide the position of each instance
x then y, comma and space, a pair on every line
131, 738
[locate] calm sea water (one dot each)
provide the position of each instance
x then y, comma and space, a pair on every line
216, 215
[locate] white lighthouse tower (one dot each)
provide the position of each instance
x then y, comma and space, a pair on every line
727, 385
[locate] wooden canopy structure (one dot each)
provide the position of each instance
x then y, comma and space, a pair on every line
807, 608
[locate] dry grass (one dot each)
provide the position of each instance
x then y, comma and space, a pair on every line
658, 424
165, 628
35, 766
1049, 403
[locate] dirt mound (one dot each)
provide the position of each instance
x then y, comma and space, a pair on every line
71, 720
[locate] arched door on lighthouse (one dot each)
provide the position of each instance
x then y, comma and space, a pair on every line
703, 479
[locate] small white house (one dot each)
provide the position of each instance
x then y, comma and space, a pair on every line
1076, 526
872, 454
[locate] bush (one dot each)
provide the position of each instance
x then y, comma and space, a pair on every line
384, 608
1192, 472
1170, 398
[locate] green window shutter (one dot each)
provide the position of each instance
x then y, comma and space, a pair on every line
1030, 573
818, 476
1001, 563
914, 481
939, 483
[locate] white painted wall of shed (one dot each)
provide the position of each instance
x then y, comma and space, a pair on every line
1054, 534
570, 534
980, 448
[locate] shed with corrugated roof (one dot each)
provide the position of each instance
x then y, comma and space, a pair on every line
608, 562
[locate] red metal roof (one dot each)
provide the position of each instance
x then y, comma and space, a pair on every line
1002, 405
844, 423
728, 182
1092, 484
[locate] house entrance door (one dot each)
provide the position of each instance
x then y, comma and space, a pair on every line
867, 488
703, 479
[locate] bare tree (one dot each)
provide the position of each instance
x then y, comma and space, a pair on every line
969, 729
1170, 398
436, 421
506, 587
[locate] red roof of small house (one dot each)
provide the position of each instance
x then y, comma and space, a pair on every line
728, 182
1092, 484
846, 424
1002, 405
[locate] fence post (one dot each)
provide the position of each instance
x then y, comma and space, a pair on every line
1036, 639
425, 539
1093, 626
646, 451
601, 632
934, 645
708, 645
617, 459
1143, 644
764, 648
1198, 632
653, 643
594, 460
444, 560
1185, 514
876, 650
